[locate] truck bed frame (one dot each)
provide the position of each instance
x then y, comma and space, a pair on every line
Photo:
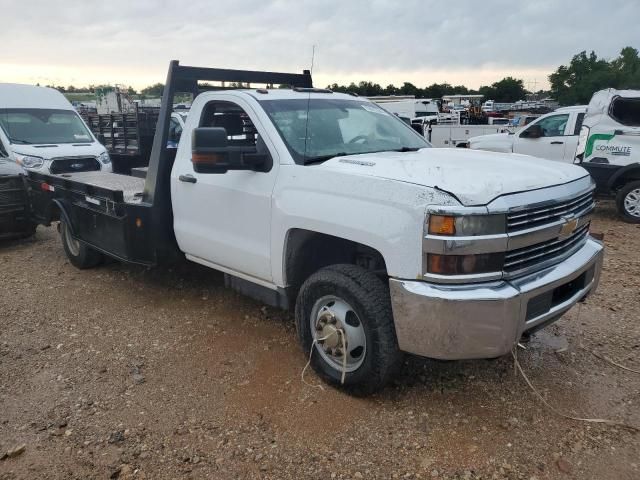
130, 218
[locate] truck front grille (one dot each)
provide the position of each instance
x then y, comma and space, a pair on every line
530, 217
534, 257
74, 164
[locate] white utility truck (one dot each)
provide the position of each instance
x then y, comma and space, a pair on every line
329, 205
553, 136
41, 131
603, 137
609, 148
408, 106
453, 134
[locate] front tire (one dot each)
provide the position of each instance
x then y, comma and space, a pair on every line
357, 302
628, 202
80, 255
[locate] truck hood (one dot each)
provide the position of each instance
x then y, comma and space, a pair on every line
48, 152
473, 177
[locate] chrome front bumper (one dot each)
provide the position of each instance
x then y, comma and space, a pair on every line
486, 320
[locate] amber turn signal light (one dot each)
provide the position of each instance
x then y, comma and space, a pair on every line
442, 225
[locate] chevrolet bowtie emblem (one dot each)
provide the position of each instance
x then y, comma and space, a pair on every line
569, 227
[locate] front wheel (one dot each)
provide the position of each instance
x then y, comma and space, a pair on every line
344, 313
80, 255
628, 202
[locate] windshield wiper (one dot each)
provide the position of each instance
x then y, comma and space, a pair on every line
324, 158
407, 149
22, 142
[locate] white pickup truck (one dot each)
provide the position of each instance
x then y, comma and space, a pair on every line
329, 205
553, 136
603, 137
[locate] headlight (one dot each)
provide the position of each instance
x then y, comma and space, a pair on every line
463, 243
104, 158
29, 161
466, 225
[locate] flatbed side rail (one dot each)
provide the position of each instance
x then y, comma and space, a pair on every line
57, 181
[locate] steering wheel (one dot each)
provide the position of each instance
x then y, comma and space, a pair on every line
357, 138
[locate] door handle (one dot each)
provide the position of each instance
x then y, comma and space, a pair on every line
557, 143
187, 178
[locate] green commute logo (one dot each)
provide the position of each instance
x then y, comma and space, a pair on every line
617, 150
621, 151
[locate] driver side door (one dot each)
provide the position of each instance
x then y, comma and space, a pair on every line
551, 144
223, 220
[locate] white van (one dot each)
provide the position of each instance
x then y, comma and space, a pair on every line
609, 147
40, 130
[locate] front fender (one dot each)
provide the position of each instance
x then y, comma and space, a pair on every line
385, 215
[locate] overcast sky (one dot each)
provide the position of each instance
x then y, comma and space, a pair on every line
463, 42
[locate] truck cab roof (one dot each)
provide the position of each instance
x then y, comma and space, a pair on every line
573, 108
289, 94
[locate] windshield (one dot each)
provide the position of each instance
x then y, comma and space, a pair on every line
42, 126
318, 129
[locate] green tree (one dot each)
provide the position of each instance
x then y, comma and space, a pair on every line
627, 68
153, 91
369, 89
437, 90
508, 89
586, 74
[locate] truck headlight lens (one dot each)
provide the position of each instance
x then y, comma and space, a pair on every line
29, 161
467, 225
464, 264
104, 158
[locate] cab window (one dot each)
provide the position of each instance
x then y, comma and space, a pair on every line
175, 131
231, 117
626, 111
553, 126
3, 151
241, 132
579, 120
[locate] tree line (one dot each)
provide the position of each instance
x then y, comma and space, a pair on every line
570, 84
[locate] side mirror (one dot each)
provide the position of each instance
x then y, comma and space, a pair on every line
534, 131
211, 153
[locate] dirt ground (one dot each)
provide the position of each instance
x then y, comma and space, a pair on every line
124, 372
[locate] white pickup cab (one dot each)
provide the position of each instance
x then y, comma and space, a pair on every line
553, 136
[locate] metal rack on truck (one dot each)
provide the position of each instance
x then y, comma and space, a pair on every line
127, 136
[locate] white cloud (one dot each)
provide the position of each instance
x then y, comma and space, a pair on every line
420, 41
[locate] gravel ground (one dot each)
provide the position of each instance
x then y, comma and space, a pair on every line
123, 372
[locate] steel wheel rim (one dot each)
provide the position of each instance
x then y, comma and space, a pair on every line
632, 203
324, 312
72, 244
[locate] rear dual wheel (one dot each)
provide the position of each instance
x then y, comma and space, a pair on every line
79, 254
